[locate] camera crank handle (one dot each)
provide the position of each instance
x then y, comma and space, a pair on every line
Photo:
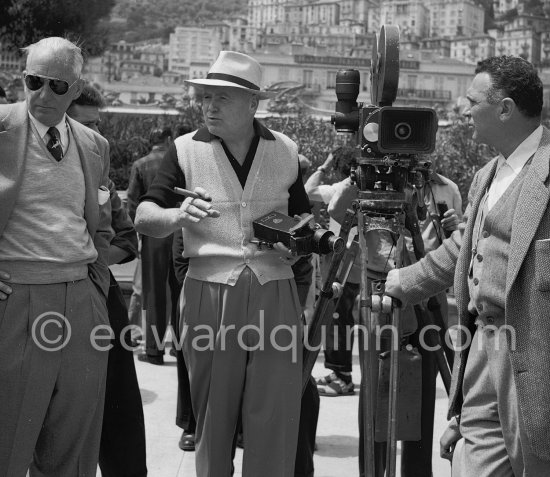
262, 243
301, 223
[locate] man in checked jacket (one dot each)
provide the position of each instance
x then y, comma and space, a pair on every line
499, 259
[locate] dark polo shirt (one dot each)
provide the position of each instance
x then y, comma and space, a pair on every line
170, 174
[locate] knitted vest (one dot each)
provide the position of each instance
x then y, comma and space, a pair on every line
46, 239
491, 241
219, 249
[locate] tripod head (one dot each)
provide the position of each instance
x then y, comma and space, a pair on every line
390, 138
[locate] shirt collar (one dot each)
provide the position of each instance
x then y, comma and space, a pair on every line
204, 135
43, 130
523, 152
435, 178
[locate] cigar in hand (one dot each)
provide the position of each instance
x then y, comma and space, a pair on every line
190, 193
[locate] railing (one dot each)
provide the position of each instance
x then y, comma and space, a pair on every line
424, 94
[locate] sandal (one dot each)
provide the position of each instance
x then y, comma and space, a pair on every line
329, 378
337, 387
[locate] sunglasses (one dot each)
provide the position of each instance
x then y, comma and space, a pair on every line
59, 87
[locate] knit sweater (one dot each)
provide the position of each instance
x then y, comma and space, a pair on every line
219, 249
46, 239
491, 250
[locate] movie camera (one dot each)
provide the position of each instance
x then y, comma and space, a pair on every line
390, 176
300, 235
389, 137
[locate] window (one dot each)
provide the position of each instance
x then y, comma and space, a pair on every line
307, 78
331, 79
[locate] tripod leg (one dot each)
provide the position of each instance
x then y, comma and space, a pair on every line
394, 368
324, 308
416, 456
392, 405
369, 361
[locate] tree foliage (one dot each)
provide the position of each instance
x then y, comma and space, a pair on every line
23, 22
159, 18
128, 137
458, 157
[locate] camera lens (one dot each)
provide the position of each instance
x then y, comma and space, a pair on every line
325, 242
403, 131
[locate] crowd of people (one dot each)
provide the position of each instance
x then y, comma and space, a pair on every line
69, 392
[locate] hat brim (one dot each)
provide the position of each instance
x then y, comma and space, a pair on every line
200, 83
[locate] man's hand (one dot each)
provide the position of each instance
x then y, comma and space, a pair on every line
450, 220
393, 287
285, 255
194, 210
448, 440
328, 162
5, 290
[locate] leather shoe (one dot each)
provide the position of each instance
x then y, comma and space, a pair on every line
134, 343
151, 359
187, 441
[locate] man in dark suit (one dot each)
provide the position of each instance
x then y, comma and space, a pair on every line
122, 450
156, 254
499, 261
54, 239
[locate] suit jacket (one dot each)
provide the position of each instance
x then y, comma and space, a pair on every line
527, 307
94, 155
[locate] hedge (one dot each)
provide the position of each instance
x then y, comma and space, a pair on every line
456, 156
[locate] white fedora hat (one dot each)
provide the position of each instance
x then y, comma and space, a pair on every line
235, 70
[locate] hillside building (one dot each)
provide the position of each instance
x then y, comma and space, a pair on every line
10, 60
455, 18
189, 44
412, 17
472, 49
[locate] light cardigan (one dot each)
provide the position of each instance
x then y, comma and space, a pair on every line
219, 249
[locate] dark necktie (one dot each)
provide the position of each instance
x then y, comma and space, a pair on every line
54, 144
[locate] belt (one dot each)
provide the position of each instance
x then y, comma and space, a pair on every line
488, 319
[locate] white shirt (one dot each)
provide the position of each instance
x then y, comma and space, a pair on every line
508, 169
61, 127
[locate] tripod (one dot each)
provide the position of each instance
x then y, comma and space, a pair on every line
391, 211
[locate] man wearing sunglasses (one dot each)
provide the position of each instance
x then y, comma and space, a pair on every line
54, 279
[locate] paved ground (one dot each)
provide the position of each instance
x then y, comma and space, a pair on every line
337, 436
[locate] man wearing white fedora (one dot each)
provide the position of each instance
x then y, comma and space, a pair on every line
241, 313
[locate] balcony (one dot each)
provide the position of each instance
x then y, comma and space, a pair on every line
312, 89
438, 95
